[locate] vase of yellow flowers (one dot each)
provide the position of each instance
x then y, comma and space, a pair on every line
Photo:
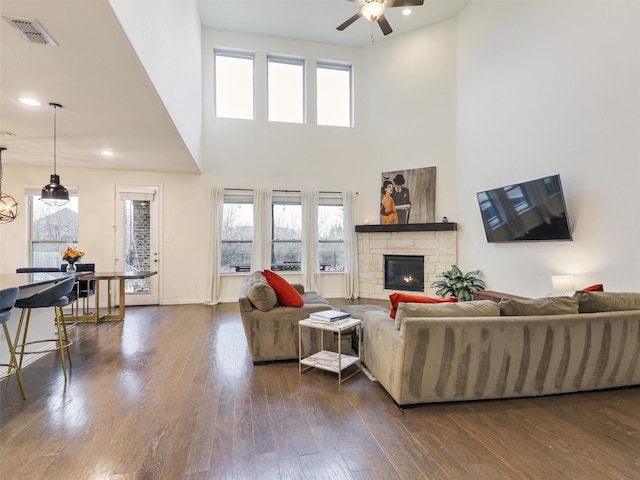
71, 255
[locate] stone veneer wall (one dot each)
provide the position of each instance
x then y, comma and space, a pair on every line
438, 247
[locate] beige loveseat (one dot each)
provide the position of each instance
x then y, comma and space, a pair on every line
271, 329
469, 351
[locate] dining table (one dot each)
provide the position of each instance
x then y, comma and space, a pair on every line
110, 313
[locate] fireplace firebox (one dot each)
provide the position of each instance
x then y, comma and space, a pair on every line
404, 272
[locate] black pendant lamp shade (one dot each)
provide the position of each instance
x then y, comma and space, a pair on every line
8, 204
54, 193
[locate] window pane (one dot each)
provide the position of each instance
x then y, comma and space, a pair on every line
334, 95
53, 229
137, 243
331, 236
234, 85
287, 236
237, 237
286, 90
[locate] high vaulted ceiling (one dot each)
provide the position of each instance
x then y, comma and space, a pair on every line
108, 101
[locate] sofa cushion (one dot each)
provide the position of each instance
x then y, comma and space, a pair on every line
538, 306
287, 295
260, 293
397, 298
313, 298
591, 302
474, 308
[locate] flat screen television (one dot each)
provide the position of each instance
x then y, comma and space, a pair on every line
528, 211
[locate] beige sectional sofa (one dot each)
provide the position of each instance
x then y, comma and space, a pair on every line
469, 351
271, 329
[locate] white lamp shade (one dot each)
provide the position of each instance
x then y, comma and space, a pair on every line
562, 283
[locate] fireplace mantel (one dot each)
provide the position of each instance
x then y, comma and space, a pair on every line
408, 227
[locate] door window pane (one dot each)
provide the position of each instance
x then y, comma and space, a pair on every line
234, 85
137, 243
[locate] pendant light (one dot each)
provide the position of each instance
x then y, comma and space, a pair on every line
54, 194
8, 204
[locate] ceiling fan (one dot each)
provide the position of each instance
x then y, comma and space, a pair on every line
373, 10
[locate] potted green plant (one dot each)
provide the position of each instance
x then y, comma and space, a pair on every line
459, 285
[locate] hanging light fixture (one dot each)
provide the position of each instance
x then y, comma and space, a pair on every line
8, 204
54, 193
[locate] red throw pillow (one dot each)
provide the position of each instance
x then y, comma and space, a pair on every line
598, 287
287, 295
397, 298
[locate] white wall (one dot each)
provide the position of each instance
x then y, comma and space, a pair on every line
166, 39
549, 87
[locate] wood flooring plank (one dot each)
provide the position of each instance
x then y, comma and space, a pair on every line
172, 393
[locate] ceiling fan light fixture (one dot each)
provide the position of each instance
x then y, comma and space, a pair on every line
373, 10
54, 193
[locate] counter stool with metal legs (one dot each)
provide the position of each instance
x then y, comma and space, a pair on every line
8, 298
53, 296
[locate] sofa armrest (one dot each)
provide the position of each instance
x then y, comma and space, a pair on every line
383, 349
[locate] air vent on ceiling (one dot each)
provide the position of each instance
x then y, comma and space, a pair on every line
30, 30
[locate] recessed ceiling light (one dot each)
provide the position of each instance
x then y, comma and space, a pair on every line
107, 153
406, 11
30, 101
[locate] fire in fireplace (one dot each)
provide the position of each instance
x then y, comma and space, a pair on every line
404, 272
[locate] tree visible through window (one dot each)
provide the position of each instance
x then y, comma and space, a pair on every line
286, 243
237, 234
53, 229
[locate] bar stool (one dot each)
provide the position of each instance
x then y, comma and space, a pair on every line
53, 296
8, 298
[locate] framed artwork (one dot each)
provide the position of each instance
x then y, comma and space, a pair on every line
408, 196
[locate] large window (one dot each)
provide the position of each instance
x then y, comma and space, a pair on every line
334, 94
286, 90
234, 85
237, 232
52, 230
286, 240
331, 232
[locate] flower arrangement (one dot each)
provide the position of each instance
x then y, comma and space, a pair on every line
72, 255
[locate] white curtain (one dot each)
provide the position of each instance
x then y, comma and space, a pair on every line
216, 211
261, 249
351, 289
310, 255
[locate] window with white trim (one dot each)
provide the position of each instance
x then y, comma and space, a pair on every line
51, 229
334, 99
234, 85
286, 239
285, 78
331, 231
236, 232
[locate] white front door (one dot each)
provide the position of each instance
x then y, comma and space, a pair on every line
137, 240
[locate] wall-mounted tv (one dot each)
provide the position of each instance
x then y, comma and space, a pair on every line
528, 211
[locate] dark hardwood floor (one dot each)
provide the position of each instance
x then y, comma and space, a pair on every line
170, 393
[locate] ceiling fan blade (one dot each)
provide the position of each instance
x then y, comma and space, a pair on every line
350, 21
404, 3
384, 25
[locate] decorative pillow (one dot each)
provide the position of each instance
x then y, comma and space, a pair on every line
591, 302
473, 308
260, 293
287, 295
397, 298
538, 306
598, 287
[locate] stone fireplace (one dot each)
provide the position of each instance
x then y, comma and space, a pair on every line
436, 243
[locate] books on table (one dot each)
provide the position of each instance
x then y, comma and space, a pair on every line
329, 315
